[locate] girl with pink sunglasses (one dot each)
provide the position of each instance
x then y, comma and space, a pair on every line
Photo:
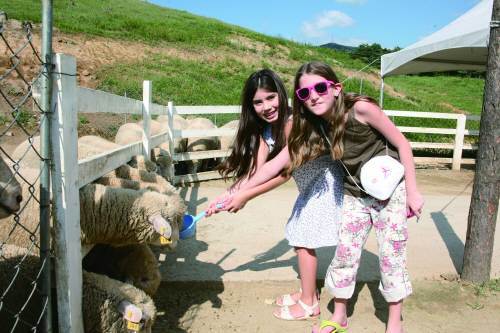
356, 129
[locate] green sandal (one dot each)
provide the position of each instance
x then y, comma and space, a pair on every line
337, 328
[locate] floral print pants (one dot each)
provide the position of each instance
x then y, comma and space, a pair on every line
389, 220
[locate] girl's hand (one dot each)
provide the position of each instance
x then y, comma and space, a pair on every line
236, 202
414, 203
220, 200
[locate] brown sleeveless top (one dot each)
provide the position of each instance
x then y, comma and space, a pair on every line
361, 142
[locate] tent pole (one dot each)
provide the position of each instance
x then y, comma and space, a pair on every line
381, 103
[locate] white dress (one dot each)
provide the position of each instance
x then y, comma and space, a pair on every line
317, 213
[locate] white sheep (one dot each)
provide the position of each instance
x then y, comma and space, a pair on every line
10, 191
107, 304
179, 123
91, 145
108, 200
107, 215
201, 144
132, 132
227, 142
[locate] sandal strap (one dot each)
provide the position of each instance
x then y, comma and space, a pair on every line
336, 326
287, 299
308, 309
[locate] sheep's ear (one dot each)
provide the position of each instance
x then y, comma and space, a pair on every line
161, 226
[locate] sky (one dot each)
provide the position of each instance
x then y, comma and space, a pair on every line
390, 23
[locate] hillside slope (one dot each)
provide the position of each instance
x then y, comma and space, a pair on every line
201, 61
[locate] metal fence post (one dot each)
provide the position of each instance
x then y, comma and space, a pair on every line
459, 142
45, 104
66, 195
146, 118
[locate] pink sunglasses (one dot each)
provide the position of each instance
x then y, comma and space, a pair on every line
320, 87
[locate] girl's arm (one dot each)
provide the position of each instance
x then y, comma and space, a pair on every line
262, 154
265, 172
372, 115
269, 170
239, 200
273, 167
267, 177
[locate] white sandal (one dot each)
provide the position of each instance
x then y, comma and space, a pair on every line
285, 314
287, 299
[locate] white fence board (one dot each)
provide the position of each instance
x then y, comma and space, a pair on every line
197, 177
96, 101
91, 168
203, 133
199, 155
215, 109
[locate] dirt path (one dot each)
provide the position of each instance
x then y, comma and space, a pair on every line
435, 306
220, 280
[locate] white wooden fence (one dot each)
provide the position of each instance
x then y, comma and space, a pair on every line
69, 174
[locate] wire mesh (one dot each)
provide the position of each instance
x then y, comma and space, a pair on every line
22, 302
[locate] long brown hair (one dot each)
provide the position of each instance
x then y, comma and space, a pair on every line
307, 139
243, 158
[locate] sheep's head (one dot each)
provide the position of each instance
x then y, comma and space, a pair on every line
147, 277
10, 191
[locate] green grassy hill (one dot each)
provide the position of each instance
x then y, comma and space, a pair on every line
209, 59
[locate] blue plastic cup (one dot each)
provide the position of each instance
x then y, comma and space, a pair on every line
189, 223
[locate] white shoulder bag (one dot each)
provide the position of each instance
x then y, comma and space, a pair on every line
379, 176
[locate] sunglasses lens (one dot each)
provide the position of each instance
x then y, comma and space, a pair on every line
321, 87
303, 93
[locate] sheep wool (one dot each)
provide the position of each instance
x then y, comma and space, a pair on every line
122, 216
101, 301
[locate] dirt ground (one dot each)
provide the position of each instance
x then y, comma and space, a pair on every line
435, 306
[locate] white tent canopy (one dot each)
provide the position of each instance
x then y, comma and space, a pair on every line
461, 45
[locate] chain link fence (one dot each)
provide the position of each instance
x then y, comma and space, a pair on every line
24, 262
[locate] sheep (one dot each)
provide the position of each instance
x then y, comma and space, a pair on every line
132, 132
201, 144
10, 191
107, 304
143, 271
227, 142
91, 145
107, 201
180, 144
107, 215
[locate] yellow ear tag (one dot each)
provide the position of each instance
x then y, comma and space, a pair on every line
164, 240
133, 326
